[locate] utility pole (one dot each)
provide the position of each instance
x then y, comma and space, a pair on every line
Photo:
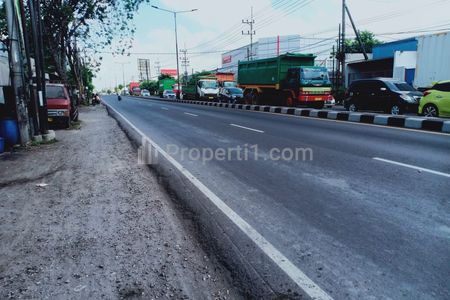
250, 32
185, 64
123, 71
32, 106
339, 58
17, 75
358, 36
333, 57
343, 43
36, 24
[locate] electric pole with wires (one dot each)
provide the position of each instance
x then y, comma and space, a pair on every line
185, 64
250, 32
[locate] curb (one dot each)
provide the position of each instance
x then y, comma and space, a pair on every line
413, 122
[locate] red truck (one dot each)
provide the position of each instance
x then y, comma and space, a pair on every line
61, 107
134, 89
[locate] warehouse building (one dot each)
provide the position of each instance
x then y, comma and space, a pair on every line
420, 61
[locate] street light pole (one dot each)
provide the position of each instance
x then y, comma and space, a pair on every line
123, 71
178, 59
176, 41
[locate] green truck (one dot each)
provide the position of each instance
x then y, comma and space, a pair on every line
287, 80
165, 84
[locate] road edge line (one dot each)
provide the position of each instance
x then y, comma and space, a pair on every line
302, 281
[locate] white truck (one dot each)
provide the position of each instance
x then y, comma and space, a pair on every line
207, 88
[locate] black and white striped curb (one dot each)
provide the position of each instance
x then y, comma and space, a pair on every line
412, 122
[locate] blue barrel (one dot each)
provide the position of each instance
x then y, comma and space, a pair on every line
2, 145
9, 131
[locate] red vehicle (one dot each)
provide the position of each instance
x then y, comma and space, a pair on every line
175, 88
61, 107
134, 89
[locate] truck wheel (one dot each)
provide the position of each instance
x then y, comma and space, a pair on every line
256, 98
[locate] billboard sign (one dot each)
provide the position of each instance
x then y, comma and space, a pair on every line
171, 72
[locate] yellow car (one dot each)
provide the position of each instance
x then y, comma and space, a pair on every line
436, 101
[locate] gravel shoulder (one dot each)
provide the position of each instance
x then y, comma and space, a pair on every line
103, 227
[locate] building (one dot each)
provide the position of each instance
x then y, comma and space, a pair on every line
263, 48
420, 61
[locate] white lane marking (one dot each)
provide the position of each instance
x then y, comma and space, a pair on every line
412, 167
194, 115
291, 270
164, 108
248, 128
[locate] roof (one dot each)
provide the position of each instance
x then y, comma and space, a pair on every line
370, 61
398, 42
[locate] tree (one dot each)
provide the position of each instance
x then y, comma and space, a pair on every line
164, 76
69, 25
368, 39
90, 24
150, 85
3, 28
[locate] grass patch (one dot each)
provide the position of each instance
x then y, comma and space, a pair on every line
75, 125
37, 144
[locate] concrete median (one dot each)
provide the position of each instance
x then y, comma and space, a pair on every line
411, 122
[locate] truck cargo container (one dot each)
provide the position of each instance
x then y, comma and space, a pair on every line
225, 79
433, 59
289, 80
165, 84
134, 89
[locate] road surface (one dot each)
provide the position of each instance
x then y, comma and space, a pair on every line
368, 217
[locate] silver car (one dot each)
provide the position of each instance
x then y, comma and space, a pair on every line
169, 94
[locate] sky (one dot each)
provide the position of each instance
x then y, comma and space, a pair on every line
217, 25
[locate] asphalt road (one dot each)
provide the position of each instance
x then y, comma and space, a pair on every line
361, 219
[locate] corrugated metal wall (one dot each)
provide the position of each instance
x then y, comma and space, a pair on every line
387, 50
433, 59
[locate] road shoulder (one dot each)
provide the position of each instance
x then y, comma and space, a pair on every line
101, 227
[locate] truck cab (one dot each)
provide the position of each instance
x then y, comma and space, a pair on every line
208, 89
311, 84
61, 107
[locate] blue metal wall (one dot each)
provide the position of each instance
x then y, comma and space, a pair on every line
387, 50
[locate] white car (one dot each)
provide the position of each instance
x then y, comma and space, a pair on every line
145, 93
169, 94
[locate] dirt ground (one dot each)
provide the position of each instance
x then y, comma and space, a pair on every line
102, 227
